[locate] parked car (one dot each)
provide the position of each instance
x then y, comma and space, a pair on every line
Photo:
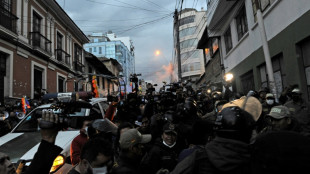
23, 141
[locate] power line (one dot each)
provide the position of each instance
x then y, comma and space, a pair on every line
128, 28
140, 25
132, 6
116, 20
155, 4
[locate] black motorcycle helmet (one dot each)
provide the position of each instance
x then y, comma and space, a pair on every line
253, 94
216, 95
234, 123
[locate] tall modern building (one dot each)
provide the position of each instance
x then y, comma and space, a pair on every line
188, 27
109, 46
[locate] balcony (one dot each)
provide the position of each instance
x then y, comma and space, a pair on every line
39, 42
7, 19
62, 56
78, 66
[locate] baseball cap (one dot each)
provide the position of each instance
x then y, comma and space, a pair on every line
105, 125
279, 112
296, 90
132, 137
170, 128
269, 95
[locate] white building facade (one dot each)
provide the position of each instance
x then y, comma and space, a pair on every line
191, 26
288, 36
109, 46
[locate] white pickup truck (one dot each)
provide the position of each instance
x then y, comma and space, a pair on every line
23, 141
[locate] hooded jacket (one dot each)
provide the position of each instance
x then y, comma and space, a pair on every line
218, 157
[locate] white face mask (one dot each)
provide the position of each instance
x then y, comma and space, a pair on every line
270, 102
101, 170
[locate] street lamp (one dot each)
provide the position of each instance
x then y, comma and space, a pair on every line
228, 77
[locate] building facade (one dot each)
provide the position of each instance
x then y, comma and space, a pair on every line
41, 48
235, 24
189, 28
113, 47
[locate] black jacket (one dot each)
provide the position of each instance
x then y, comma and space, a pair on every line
43, 159
160, 156
125, 165
220, 156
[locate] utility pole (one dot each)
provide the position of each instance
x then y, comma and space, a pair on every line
263, 35
176, 28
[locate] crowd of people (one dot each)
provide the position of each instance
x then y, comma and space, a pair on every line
187, 132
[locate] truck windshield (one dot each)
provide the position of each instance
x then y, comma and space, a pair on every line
30, 122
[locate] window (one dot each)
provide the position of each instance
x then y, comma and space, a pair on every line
187, 31
228, 41
59, 40
186, 20
3, 57
78, 66
61, 84
188, 43
95, 49
264, 4
207, 54
190, 67
38, 79
36, 23
36, 28
78, 53
304, 51
278, 73
90, 77
189, 55
215, 45
6, 4
242, 24
76, 86
59, 47
90, 50
100, 50
247, 81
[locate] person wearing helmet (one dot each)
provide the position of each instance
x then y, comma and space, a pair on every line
299, 110
253, 93
229, 151
211, 116
296, 105
262, 94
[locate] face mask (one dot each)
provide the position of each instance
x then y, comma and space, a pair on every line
270, 102
86, 130
101, 170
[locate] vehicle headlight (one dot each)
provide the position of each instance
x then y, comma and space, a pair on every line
58, 162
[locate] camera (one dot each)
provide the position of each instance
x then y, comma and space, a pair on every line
70, 110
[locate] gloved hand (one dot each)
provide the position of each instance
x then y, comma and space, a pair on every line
48, 125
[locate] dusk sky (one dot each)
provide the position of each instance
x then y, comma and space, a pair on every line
149, 24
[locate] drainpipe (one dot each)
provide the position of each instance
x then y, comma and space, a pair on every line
269, 68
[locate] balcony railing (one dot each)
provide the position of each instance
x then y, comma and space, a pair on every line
62, 56
39, 41
7, 19
78, 66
